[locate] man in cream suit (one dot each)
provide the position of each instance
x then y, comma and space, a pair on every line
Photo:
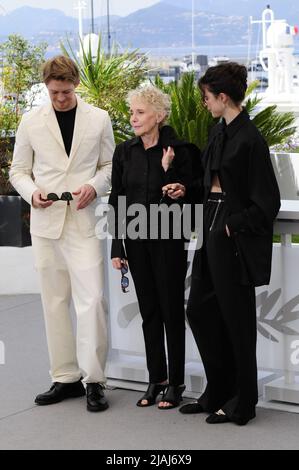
62, 162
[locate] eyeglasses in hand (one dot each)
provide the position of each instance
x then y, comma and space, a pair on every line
124, 282
66, 196
165, 195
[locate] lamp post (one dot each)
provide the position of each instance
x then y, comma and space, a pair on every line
92, 17
80, 7
193, 41
108, 29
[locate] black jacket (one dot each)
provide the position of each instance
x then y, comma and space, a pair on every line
135, 178
247, 178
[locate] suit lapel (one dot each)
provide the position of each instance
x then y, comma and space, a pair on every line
81, 122
52, 124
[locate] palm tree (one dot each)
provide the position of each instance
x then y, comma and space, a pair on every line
106, 79
276, 128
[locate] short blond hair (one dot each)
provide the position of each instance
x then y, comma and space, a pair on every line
152, 95
61, 68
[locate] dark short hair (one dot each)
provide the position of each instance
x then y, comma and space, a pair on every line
61, 68
229, 78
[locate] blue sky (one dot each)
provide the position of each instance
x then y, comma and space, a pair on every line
117, 7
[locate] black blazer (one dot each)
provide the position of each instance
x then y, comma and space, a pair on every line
247, 178
124, 168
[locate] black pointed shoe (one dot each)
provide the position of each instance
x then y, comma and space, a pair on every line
60, 391
96, 400
191, 408
217, 418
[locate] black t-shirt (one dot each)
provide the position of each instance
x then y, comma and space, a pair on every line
66, 121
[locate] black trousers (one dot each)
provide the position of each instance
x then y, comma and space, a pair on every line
222, 316
158, 268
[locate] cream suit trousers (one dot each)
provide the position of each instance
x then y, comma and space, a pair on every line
72, 267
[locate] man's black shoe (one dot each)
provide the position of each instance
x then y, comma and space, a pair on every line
60, 391
96, 400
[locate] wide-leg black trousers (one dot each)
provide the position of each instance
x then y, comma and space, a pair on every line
222, 316
158, 268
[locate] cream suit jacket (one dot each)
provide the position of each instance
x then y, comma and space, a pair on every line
40, 162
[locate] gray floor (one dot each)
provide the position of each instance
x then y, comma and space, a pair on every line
68, 425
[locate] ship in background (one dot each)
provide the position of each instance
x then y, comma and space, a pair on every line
277, 65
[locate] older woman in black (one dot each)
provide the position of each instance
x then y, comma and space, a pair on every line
141, 167
241, 200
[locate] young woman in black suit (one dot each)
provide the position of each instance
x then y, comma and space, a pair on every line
241, 200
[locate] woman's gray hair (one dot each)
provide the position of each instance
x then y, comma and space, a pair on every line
152, 95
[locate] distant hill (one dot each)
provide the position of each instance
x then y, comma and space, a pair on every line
29, 22
283, 9
165, 24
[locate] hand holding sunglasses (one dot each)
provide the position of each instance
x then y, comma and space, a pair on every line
39, 200
174, 191
166, 193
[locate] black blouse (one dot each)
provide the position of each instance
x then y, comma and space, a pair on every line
247, 178
138, 173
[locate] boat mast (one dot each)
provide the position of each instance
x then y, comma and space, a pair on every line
80, 7
108, 28
92, 17
193, 41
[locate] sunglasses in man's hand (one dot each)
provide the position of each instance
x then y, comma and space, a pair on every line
66, 196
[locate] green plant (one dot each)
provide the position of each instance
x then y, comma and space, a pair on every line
7, 129
21, 70
21, 64
277, 128
6, 149
188, 117
106, 79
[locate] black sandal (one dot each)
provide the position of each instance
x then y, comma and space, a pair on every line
173, 396
151, 394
